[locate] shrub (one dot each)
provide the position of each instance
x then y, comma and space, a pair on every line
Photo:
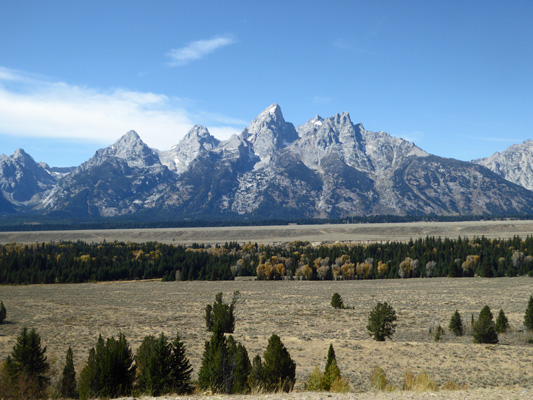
315, 381
451, 385
279, 370
336, 301
340, 385
528, 317
22, 387
439, 332
484, 330
109, 371
502, 323
67, 388
3, 312
378, 379
420, 383
221, 313
456, 324
381, 322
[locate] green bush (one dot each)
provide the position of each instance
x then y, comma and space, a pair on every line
381, 322
336, 301
439, 332
3, 312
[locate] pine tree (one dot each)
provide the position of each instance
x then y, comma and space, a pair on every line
456, 324
153, 360
528, 317
255, 379
502, 323
279, 370
221, 313
331, 374
3, 312
27, 359
109, 371
241, 370
381, 322
67, 387
331, 357
214, 363
484, 330
181, 368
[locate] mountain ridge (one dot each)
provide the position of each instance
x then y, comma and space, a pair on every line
324, 168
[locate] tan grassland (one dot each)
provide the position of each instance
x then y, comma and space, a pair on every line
286, 233
300, 313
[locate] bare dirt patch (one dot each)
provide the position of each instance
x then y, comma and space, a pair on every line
300, 313
286, 233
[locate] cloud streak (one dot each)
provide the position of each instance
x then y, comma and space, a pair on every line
33, 107
197, 50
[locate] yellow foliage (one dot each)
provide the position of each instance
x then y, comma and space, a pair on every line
419, 383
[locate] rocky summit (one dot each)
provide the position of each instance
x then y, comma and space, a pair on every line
325, 168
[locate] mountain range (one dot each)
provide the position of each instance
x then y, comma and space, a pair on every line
325, 168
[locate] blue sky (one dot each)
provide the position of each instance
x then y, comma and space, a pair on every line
455, 77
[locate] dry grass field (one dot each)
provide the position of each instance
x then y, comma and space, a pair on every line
300, 313
286, 233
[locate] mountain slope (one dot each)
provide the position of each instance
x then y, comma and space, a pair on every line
120, 179
514, 164
22, 180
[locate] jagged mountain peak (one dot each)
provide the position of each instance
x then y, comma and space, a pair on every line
22, 179
269, 132
200, 134
195, 142
20, 153
130, 148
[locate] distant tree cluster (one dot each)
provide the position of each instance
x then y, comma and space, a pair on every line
71, 262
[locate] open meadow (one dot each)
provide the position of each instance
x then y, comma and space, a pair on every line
301, 314
285, 233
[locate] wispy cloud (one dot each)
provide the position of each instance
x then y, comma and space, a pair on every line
35, 107
197, 50
321, 99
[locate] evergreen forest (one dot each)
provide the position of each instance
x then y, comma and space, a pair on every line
76, 262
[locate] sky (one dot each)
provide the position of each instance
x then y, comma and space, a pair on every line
454, 77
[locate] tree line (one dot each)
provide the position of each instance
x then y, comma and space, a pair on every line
75, 262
